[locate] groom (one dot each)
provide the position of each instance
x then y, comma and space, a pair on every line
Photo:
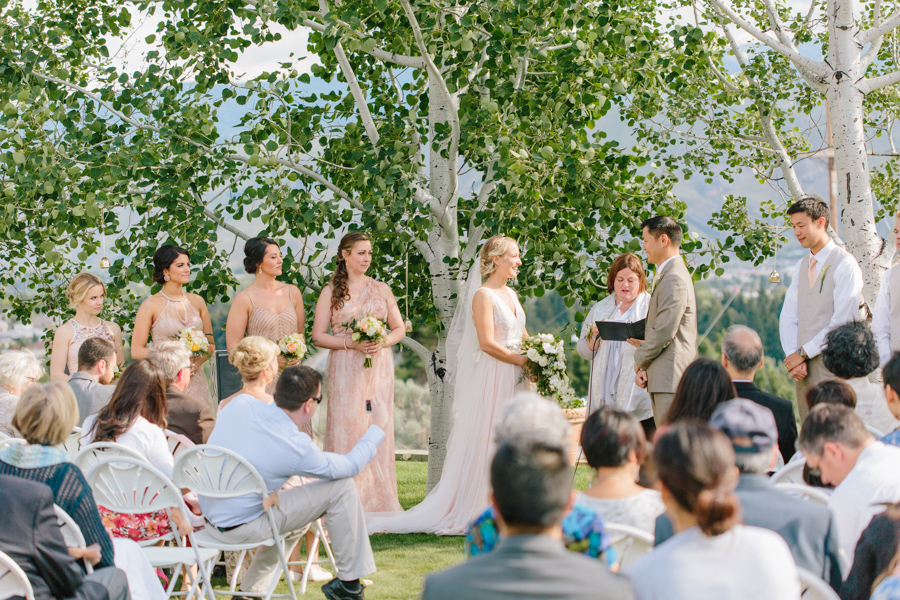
670, 342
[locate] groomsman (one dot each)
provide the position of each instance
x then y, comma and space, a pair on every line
670, 342
825, 293
886, 320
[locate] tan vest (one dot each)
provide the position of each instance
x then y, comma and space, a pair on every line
894, 288
815, 305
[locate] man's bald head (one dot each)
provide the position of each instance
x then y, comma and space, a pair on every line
742, 351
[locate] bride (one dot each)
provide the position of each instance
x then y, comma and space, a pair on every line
487, 319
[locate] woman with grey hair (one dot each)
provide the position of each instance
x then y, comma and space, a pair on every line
18, 370
529, 417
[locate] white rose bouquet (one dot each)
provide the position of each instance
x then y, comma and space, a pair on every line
195, 341
369, 329
546, 366
293, 346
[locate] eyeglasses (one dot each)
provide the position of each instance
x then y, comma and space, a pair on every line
318, 400
31, 379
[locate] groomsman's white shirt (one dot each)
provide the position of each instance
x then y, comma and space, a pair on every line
881, 318
847, 292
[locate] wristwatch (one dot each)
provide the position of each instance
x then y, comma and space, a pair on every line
802, 353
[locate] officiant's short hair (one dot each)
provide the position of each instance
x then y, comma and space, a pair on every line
626, 261
664, 225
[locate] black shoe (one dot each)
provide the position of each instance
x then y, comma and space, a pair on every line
336, 590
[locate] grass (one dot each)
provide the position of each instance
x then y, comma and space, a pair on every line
404, 561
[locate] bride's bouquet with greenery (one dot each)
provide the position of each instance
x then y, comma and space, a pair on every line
293, 346
546, 367
195, 341
368, 329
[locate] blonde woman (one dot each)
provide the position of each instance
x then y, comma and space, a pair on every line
86, 293
487, 373
256, 359
19, 369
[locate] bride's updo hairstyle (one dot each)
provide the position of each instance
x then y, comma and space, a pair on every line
253, 355
163, 259
340, 289
255, 252
495, 246
696, 464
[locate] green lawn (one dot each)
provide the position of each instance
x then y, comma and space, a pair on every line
403, 561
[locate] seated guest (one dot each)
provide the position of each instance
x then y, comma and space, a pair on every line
875, 552
256, 359
711, 555
531, 484
704, 385
45, 415
269, 437
809, 529
864, 471
530, 418
91, 382
189, 416
891, 376
831, 391
742, 356
135, 417
30, 535
850, 353
18, 370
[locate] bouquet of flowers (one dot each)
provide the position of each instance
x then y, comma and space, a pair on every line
195, 341
293, 346
546, 366
368, 329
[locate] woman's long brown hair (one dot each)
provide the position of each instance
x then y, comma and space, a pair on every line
340, 288
141, 392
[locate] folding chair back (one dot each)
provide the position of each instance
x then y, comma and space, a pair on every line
217, 472
72, 443
13, 581
630, 543
71, 533
177, 442
89, 456
878, 434
813, 588
805, 492
790, 473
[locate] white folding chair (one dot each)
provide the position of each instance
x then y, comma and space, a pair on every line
790, 473
312, 554
71, 533
813, 588
630, 542
217, 472
72, 443
177, 442
129, 485
805, 492
878, 435
89, 456
13, 581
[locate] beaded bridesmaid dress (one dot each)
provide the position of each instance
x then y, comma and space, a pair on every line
350, 384
177, 315
464, 489
275, 326
81, 335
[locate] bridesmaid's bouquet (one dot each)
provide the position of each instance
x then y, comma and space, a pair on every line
194, 340
546, 367
369, 329
293, 346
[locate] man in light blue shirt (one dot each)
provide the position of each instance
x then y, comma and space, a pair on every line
269, 437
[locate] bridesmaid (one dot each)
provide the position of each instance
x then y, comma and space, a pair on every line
167, 312
86, 294
352, 295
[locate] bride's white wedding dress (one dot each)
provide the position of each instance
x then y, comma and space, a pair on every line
464, 489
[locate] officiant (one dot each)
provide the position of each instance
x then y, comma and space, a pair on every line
612, 362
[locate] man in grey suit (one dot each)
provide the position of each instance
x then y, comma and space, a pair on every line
808, 528
670, 340
96, 367
531, 491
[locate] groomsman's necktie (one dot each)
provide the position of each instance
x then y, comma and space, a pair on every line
811, 273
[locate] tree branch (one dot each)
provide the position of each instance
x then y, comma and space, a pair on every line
872, 53
879, 30
402, 60
421, 351
220, 221
876, 83
816, 67
453, 117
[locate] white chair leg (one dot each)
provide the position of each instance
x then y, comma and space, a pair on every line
285, 570
320, 531
237, 569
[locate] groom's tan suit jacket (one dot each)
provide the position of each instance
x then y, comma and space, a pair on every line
670, 341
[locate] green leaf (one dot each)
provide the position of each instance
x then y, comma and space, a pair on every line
18, 158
